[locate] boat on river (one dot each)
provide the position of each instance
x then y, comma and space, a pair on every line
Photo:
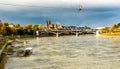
24, 51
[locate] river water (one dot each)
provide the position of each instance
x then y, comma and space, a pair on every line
70, 52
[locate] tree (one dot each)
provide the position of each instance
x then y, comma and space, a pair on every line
118, 25
29, 29
5, 28
1, 24
119, 29
111, 29
17, 25
40, 27
5, 24
13, 29
34, 28
102, 31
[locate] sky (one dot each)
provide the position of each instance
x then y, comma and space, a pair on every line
95, 13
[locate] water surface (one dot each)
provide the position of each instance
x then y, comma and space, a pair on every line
70, 52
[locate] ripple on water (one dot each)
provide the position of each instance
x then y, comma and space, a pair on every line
69, 52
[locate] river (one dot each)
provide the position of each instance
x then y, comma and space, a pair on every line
70, 52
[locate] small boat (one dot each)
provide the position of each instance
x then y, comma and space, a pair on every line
28, 51
25, 52
20, 52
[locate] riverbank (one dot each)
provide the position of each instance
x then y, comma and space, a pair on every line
109, 34
3, 56
1, 46
7, 47
4, 48
3, 60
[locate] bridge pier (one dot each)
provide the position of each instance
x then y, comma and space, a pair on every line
57, 34
77, 34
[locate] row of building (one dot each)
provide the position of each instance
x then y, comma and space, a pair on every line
58, 26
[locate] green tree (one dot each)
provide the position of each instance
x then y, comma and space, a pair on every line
1, 24
17, 25
118, 25
5, 28
29, 29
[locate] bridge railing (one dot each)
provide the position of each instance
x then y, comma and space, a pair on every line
65, 30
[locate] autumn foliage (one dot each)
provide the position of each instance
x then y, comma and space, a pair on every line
8, 29
110, 30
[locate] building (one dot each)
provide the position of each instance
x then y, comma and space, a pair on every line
48, 23
55, 26
10, 25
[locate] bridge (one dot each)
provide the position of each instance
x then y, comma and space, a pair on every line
58, 32
76, 32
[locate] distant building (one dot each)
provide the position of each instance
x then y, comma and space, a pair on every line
84, 28
36, 25
72, 27
55, 26
59, 26
10, 25
48, 23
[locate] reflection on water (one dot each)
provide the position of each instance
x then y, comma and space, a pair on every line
70, 52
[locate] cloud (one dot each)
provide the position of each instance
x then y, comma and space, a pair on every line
20, 5
95, 12
60, 3
98, 3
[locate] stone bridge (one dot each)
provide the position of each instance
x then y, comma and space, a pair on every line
76, 32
